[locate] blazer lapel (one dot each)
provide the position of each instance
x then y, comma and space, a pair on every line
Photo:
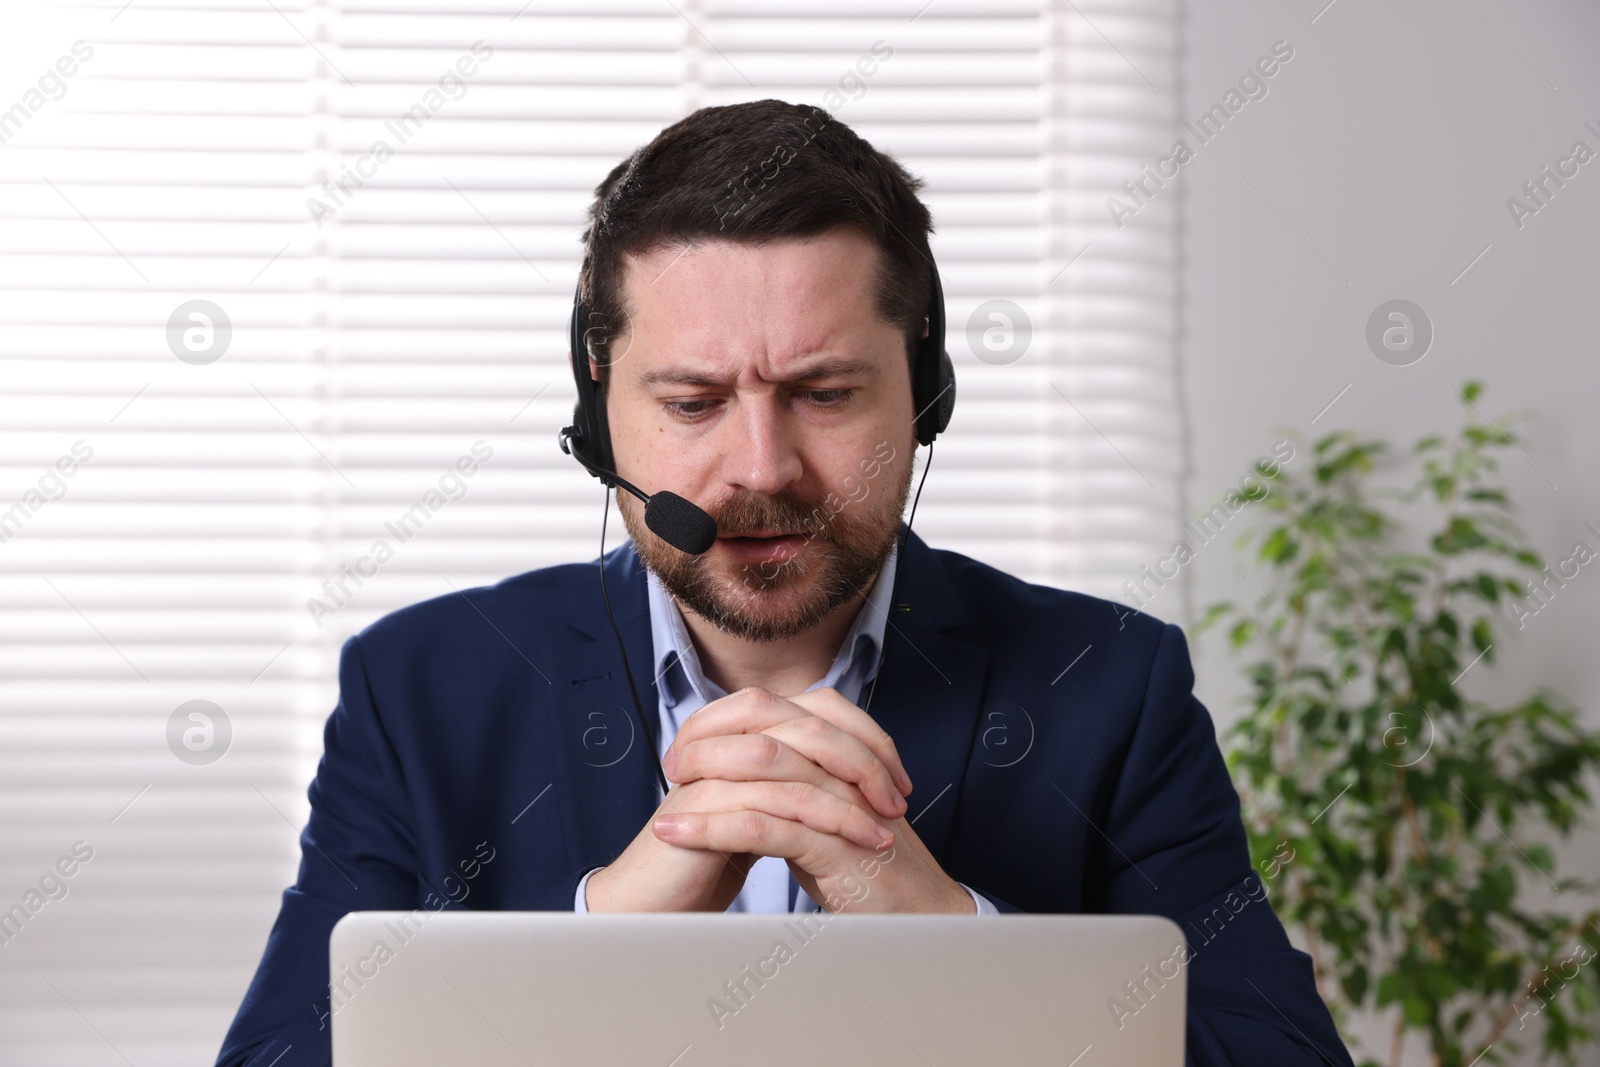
929, 694
605, 759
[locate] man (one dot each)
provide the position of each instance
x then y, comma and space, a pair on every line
759, 277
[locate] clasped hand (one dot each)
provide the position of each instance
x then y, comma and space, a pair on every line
811, 778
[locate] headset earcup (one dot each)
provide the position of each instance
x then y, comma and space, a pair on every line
945, 389
933, 378
934, 393
589, 414
602, 443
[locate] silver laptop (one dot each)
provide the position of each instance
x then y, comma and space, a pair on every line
697, 990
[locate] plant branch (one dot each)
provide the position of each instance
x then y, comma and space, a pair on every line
1316, 958
1536, 984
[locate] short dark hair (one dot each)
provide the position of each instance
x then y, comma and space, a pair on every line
753, 172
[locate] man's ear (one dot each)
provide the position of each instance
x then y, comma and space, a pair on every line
594, 368
925, 327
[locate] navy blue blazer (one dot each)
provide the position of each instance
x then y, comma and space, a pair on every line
482, 755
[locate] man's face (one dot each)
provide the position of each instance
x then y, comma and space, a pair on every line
759, 383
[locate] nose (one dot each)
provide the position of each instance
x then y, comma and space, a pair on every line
759, 446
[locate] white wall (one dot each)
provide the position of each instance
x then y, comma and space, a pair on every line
1391, 142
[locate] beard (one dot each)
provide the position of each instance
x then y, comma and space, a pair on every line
772, 601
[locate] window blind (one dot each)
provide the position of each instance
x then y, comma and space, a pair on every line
301, 380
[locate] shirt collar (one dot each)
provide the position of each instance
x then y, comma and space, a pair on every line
670, 642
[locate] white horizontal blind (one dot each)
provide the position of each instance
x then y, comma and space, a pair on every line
173, 167
1116, 413
384, 332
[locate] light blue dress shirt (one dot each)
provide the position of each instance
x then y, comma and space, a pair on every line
684, 689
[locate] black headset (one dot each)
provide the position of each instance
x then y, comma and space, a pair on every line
683, 524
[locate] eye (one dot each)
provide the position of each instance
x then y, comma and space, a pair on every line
686, 409
690, 410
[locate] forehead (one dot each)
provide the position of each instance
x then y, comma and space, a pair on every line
736, 308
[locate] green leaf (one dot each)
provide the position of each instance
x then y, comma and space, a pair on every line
1355, 983
1241, 633
1482, 637
1213, 613
1279, 547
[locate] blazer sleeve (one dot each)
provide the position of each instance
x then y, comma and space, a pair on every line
363, 848
358, 852
1175, 846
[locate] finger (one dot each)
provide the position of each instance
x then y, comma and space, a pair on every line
844, 756
748, 711
753, 710
703, 794
809, 745
800, 802
830, 704
763, 757
748, 831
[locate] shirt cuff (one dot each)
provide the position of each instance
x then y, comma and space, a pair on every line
580, 905
984, 907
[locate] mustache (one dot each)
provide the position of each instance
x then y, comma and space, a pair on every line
784, 512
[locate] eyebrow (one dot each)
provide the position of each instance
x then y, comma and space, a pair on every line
842, 367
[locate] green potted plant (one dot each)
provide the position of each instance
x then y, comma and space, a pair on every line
1401, 825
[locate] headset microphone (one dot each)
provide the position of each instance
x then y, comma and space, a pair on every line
679, 522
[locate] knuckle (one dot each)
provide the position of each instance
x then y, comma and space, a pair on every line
813, 725
798, 793
768, 752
